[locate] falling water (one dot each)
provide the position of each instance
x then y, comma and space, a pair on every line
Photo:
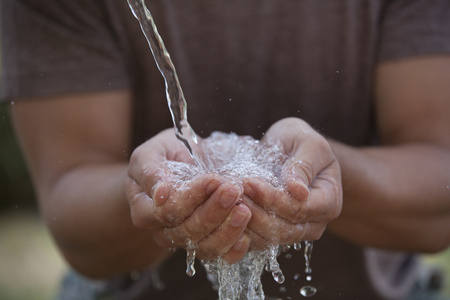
308, 290
174, 93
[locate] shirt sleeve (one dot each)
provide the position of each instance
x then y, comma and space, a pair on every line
414, 27
53, 47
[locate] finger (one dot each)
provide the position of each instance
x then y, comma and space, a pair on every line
212, 213
314, 230
308, 159
141, 205
147, 161
277, 200
225, 236
325, 202
182, 201
257, 242
238, 250
271, 228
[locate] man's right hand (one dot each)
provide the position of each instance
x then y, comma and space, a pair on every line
204, 212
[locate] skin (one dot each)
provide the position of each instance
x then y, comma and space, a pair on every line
394, 196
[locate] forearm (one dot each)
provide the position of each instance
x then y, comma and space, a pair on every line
89, 217
395, 197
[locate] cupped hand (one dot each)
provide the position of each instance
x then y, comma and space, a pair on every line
312, 193
203, 212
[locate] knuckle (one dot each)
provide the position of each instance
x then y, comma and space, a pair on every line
208, 252
194, 227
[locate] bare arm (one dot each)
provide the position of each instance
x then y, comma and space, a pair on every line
398, 195
77, 150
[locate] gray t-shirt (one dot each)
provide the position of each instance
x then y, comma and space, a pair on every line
243, 64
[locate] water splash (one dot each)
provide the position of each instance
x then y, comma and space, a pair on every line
274, 266
190, 259
308, 290
235, 158
297, 246
241, 280
307, 254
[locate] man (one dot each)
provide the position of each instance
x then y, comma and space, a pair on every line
357, 90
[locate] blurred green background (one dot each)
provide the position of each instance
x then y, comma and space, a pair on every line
30, 265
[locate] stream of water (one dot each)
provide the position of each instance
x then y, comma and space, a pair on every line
174, 93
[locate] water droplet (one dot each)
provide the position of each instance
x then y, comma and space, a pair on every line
190, 262
296, 276
283, 289
297, 246
278, 276
309, 278
308, 291
230, 99
285, 248
274, 266
190, 258
288, 256
12, 102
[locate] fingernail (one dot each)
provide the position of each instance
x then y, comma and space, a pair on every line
228, 198
249, 190
160, 194
239, 215
240, 243
211, 186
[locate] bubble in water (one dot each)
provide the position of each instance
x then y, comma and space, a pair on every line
308, 291
296, 276
283, 289
309, 278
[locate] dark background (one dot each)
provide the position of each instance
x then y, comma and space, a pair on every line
16, 191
